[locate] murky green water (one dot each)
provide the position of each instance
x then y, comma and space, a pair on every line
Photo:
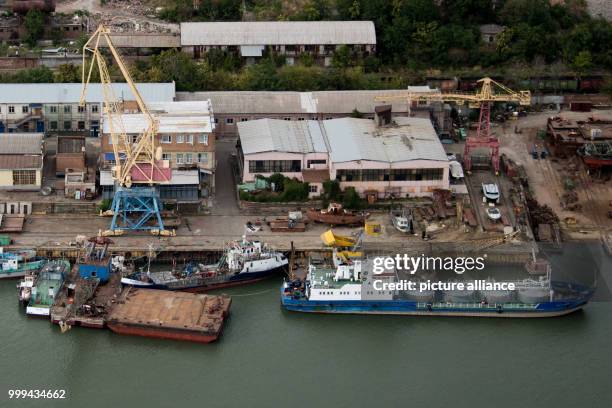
271, 358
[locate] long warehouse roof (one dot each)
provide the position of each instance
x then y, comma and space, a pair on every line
278, 33
49, 93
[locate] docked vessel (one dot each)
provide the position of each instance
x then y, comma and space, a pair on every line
402, 221
194, 317
351, 287
19, 263
334, 214
25, 287
596, 155
242, 262
47, 286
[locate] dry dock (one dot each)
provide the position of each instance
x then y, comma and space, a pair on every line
169, 315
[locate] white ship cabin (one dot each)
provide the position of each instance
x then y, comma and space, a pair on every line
342, 283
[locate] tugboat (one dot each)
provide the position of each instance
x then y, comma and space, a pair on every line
402, 221
19, 263
47, 287
336, 215
242, 262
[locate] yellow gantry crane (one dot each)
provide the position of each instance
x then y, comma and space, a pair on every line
137, 159
489, 93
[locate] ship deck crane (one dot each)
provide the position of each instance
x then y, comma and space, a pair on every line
138, 160
489, 93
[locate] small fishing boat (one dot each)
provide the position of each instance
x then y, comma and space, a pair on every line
334, 214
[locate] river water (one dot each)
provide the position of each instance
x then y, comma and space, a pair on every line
271, 358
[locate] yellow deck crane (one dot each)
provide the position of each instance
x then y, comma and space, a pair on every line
138, 160
489, 93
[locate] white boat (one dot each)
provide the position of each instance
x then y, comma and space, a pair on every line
491, 192
456, 170
402, 221
493, 213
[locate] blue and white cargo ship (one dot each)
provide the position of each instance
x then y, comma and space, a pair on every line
348, 286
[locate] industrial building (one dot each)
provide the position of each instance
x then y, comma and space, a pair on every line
186, 136
21, 161
232, 108
55, 107
252, 40
384, 157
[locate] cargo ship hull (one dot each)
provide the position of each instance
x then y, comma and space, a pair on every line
167, 334
204, 284
413, 308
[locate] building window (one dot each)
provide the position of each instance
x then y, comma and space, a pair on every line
300, 118
67, 125
286, 118
229, 121
203, 158
94, 108
53, 125
244, 119
275, 166
180, 138
67, 108
309, 163
80, 109
81, 125
24, 177
203, 139
216, 120
166, 156
179, 158
189, 139
166, 139
389, 174
25, 109
313, 188
188, 158
53, 109
11, 109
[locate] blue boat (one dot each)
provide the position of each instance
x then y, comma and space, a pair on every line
349, 287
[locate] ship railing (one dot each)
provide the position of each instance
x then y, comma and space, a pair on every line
476, 305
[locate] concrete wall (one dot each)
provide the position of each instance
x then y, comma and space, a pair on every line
6, 181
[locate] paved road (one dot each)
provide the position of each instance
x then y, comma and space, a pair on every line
225, 202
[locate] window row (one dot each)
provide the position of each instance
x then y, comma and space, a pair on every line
202, 138
275, 166
389, 174
187, 158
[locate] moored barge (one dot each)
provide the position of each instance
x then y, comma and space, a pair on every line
170, 315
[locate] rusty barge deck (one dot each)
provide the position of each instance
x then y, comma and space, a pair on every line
169, 315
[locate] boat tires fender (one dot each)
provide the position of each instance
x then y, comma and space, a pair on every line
500, 309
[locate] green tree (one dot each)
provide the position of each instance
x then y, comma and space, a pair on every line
343, 57
34, 23
67, 73
582, 62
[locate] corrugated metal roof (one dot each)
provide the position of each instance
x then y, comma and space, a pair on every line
143, 40
174, 108
408, 139
21, 143
274, 135
278, 33
264, 102
20, 161
137, 123
71, 93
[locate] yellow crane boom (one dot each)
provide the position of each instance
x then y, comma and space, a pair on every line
136, 160
490, 91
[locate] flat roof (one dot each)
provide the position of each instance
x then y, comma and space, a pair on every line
50, 93
279, 102
278, 33
21, 143
276, 135
181, 108
406, 139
